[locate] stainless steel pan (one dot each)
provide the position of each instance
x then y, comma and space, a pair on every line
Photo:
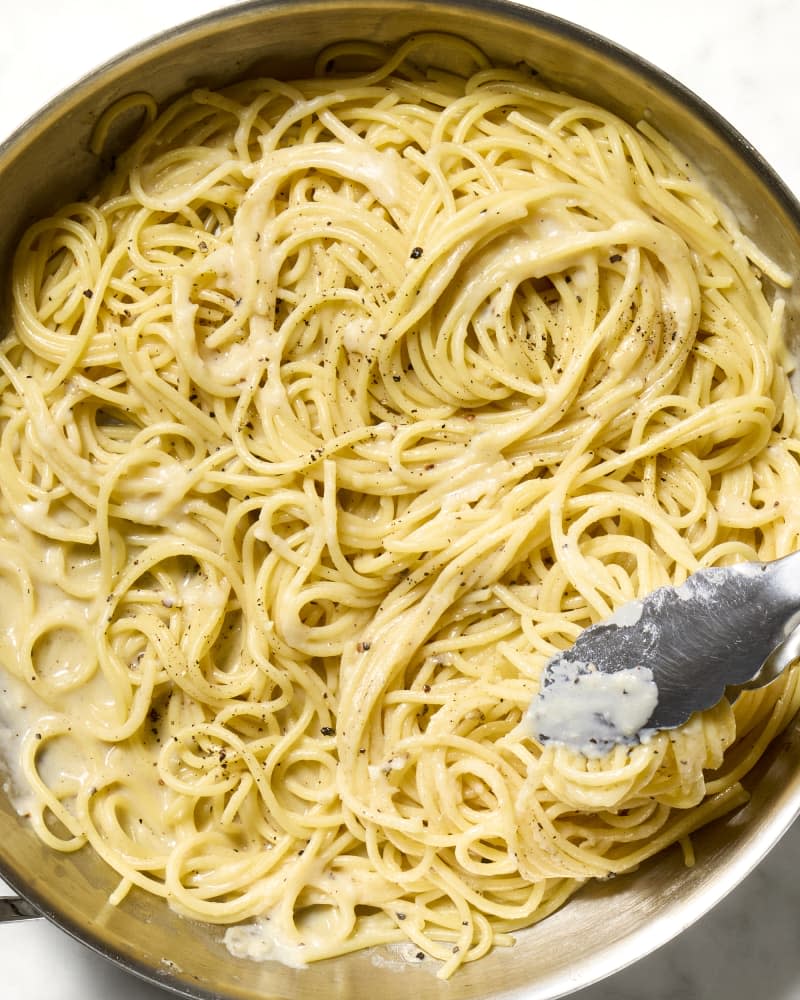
608, 925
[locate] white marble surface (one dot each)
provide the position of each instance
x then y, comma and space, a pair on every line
741, 57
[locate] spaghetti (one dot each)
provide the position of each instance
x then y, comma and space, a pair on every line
340, 407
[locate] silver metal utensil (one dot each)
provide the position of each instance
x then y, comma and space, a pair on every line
724, 630
16, 908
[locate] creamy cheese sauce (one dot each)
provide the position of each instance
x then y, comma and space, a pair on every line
262, 941
20, 713
160, 492
627, 614
591, 711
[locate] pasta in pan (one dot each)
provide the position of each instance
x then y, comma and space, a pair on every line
341, 406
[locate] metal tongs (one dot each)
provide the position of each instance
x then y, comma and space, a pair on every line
722, 631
